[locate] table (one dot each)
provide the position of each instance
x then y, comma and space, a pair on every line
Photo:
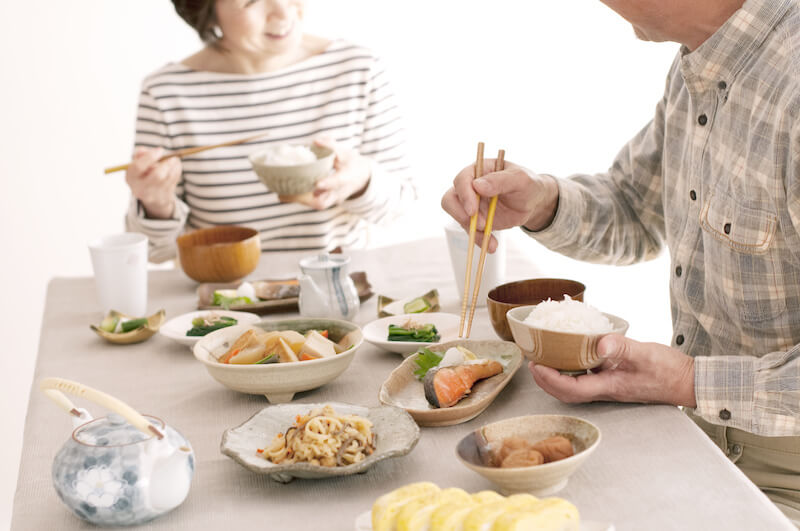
654, 469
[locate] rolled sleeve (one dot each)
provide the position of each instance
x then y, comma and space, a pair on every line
161, 233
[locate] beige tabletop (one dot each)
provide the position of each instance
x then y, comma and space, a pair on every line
653, 469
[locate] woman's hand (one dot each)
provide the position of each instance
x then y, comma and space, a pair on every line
523, 198
153, 182
631, 372
349, 179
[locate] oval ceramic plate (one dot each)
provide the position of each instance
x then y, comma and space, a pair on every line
396, 434
364, 523
403, 389
177, 327
377, 331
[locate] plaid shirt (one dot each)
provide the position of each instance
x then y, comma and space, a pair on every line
716, 176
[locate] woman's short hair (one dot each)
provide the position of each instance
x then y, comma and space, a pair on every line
200, 15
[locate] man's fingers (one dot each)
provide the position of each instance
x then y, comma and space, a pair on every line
584, 388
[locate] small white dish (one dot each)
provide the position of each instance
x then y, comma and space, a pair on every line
177, 327
395, 431
377, 332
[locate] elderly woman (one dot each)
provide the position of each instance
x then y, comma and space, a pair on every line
259, 72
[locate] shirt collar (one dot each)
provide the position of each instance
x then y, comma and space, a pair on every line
723, 54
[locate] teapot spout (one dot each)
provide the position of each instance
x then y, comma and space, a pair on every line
171, 475
312, 300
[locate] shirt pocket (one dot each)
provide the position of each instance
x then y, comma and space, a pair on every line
740, 259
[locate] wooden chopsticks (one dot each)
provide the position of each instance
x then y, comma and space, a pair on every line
190, 151
487, 233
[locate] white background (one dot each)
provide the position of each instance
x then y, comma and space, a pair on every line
560, 85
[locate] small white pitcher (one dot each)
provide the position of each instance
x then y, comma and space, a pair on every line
326, 289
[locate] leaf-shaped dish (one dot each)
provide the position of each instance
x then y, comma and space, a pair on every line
388, 306
395, 430
154, 322
403, 389
275, 295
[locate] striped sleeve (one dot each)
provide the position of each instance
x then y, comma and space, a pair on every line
391, 185
151, 131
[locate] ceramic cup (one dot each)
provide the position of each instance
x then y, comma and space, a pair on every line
120, 271
494, 270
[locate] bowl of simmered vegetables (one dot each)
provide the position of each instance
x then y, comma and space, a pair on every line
279, 358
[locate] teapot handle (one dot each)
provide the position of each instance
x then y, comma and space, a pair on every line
53, 388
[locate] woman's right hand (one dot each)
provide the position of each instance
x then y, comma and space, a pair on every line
523, 198
152, 182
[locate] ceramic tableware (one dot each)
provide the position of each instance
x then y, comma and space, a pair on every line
377, 331
278, 381
291, 182
122, 469
176, 328
539, 480
560, 350
326, 289
119, 262
494, 271
396, 435
404, 389
134, 336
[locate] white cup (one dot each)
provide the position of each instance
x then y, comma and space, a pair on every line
494, 270
120, 272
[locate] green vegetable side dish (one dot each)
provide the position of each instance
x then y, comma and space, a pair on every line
426, 360
417, 305
114, 325
202, 326
220, 299
423, 333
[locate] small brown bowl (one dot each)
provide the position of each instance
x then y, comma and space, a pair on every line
219, 254
524, 292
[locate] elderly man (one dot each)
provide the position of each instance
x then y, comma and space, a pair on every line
716, 177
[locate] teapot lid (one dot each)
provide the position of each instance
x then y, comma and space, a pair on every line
112, 430
324, 261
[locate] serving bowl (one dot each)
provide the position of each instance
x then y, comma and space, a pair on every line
176, 328
565, 351
524, 292
295, 180
278, 381
539, 480
403, 388
219, 254
396, 435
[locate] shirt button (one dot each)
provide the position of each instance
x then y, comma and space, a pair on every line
679, 339
678, 271
725, 414
702, 119
727, 228
693, 195
722, 85
737, 449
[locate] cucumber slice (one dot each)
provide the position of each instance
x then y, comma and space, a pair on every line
416, 306
109, 324
133, 324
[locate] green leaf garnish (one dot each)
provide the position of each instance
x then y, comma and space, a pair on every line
426, 360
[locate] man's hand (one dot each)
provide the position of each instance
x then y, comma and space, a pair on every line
631, 372
523, 198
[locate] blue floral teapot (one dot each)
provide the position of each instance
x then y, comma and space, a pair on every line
122, 469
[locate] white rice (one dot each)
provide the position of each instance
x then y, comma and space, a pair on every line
569, 316
287, 155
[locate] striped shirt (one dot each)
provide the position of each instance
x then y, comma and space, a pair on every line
342, 92
716, 177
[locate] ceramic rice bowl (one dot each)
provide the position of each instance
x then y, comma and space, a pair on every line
560, 350
298, 179
277, 381
539, 480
